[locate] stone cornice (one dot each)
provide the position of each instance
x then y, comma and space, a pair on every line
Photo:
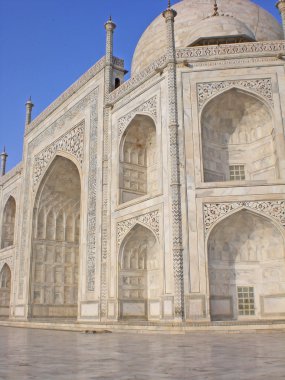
94, 70
249, 49
201, 53
10, 174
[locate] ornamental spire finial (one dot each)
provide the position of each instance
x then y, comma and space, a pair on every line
216, 8
169, 4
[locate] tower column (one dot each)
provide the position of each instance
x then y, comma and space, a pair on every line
29, 107
109, 27
281, 6
3, 157
177, 249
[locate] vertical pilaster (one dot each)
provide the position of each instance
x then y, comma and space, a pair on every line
110, 27
177, 249
281, 6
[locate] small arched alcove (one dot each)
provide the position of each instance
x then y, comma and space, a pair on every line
139, 273
138, 159
8, 223
246, 263
117, 82
5, 291
55, 245
238, 138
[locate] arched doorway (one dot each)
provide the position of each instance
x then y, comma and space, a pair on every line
139, 273
138, 159
5, 291
246, 261
8, 224
234, 125
56, 231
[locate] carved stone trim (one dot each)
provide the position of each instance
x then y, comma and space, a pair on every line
151, 220
92, 195
251, 61
71, 142
7, 260
150, 107
242, 49
209, 90
265, 49
215, 211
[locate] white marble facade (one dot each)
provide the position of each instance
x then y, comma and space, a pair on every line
161, 198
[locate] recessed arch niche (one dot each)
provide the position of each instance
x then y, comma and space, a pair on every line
139, 273
246, 250
238, 138
55, 245
8, 224
5, 290
138, 159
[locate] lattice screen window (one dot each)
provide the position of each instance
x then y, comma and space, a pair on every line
246, 300
237, 173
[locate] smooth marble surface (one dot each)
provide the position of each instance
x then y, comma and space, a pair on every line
46, 355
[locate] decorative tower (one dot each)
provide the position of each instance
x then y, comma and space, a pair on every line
281, 6
3, 157
177, 250
110, 26
29, 107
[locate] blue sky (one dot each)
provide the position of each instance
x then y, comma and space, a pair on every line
45, 45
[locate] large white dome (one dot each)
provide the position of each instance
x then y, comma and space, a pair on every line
219, 27
192, 21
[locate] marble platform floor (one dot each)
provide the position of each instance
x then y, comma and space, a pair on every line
48, 355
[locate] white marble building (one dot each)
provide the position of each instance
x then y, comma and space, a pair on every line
161, 198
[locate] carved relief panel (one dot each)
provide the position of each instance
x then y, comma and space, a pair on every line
215, 211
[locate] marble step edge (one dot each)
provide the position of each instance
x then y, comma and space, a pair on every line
140, 328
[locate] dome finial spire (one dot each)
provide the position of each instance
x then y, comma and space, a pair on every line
216, 8
169, 4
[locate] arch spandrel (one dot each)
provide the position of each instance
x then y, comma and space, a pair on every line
261, 89
70, 145
150, 220
131, 231
47, 169
214, 213
148, 109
